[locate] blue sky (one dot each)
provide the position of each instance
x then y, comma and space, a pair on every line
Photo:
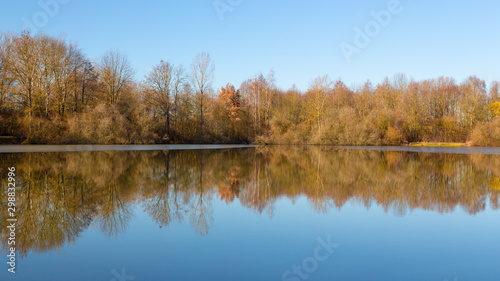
300, 40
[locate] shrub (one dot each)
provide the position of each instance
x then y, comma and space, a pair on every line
42, 131
100, 125
487, 134
392, 136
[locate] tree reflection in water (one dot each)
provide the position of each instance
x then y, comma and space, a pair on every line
61, 194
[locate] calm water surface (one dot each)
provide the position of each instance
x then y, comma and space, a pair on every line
278, 213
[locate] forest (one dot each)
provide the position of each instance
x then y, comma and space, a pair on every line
52, 93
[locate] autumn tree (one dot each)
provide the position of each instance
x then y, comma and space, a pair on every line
231, 100
231, 113
23, 64
160, 84
88, 85
290, 113
115, 73
179, 81
62, 64
269, 96
202, 77
6, 78
260, 95
472, 107
363, 100
494, 94
318, 93
414, 113
494, 109
341, 95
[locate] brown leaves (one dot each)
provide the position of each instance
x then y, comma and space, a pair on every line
231, 99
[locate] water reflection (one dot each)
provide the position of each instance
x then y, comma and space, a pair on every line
62, 194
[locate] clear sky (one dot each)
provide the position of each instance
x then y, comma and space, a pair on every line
300, 40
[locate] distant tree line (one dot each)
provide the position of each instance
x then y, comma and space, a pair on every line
50, 92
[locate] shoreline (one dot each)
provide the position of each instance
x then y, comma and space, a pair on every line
28, 148
432, 149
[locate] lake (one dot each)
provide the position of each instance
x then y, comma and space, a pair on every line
254, 213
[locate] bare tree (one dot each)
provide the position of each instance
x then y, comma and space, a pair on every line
23, 64
473, 102
88, 83
115, 73
58, 76
159, 82
494, 91
319, 90
270, 92
6, 78
202, 76
179, 80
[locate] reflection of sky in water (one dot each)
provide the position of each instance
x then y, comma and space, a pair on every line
245, 244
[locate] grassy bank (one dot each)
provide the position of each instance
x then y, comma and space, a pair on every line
439, 144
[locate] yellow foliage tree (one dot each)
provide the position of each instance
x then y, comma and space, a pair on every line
495, 183
494, 109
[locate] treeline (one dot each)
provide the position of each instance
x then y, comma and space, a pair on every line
50, 92
63, 194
